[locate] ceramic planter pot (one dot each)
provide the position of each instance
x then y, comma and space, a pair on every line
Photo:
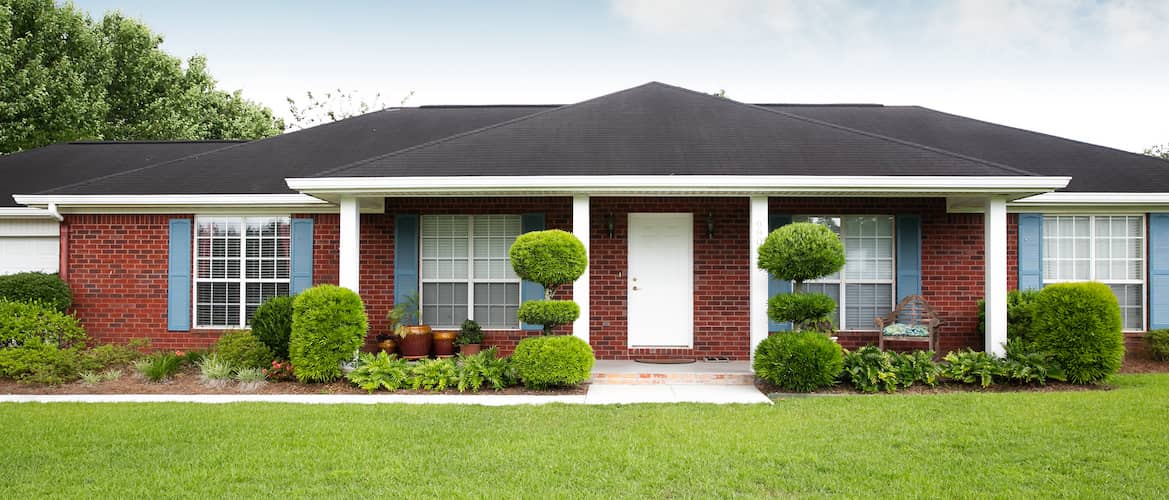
444, 343
469, 349
388, 346
415, 344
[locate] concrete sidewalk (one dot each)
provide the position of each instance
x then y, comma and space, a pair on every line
597, 394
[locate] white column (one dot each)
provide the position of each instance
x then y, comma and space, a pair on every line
758, 231
995, 252
350, 244
580, 287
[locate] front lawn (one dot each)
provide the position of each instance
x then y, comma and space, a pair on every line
1027, 444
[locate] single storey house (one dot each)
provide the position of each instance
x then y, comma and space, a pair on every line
670, 190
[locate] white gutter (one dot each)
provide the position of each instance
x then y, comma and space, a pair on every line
54, 213
74, 200
1095, 198
729, 184
24, 213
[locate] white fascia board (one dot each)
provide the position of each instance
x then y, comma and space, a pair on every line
25, 213
677, 184
1092, 203
177, 203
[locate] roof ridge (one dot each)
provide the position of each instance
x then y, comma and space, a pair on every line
139, 169
864, 133
475, 131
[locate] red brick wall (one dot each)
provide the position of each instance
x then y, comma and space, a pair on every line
118, 274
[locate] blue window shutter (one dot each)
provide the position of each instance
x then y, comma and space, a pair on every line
775, 286
1158, 271
1030, 251
302, 255
178, 277
908, 255
405, 256
530, 290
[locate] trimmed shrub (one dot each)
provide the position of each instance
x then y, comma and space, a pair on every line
548, 312
471, 333
41, 363
1080, 325
328, 325
1019, 313
1158, 344
106, 355
799, 361
241, 349
25, 322
800, 252
272, 324
550, 361
550, 258
47, 289
802, 310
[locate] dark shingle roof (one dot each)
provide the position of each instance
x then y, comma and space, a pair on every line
1092, 168
260, 167
657, 129
35, 170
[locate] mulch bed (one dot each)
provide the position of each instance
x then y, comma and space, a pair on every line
187, 382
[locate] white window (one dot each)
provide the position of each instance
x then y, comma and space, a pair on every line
239, 263
466, 273
863, 290
1109, 249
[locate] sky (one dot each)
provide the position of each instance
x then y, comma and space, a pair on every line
1090, 70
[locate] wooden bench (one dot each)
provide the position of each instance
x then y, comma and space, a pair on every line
912, 311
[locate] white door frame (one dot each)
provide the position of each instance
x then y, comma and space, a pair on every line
676, 319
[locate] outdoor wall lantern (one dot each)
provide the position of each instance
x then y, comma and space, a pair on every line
609, 224
710, 225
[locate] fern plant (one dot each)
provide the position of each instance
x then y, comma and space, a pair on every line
433, 374
379, 371
483, 368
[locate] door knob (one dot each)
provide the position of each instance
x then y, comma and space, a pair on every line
635, 288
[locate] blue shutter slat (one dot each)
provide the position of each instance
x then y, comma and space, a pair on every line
1158, 271
775, 286
531, 290
178, 286
302, 255
405, 256
908, 255
1030, 251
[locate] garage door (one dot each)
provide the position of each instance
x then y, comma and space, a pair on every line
28, 245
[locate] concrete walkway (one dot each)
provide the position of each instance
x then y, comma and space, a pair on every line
598, 394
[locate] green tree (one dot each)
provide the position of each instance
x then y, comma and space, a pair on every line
316, 109
64, 77
1160, 151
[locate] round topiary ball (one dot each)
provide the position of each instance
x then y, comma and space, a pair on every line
548, 312
549, 257
800, 361
800, 252
552, 361
1080, 325
800, 308
328, 325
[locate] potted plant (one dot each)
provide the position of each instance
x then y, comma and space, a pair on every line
414, 338
470, 337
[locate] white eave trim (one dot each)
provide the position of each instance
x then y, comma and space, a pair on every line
174, 203
25, 213
1096, 202
678, 184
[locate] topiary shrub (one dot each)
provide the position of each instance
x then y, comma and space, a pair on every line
799, 361
241, 349
1158, 343
48, 289
27, 322
551, 361
328, 325
800, 252
1019, 313
272, 324
40, 363
550, 258
1080, 325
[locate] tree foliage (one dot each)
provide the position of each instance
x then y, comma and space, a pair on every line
1159, 151
316, 109
66, 77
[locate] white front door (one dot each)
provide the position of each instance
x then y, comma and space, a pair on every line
661, 280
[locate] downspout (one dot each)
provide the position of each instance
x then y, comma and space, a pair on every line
54, 213
63, 258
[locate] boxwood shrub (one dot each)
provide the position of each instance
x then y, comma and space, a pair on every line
1158, 343
272, 324
27, 322
551, 361
1080, 325
328, 325
548, 312
41, 363
799, 361
48, 289
241, 349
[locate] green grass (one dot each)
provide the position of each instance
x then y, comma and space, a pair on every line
1086, 444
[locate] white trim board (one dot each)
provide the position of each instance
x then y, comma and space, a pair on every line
189, 203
